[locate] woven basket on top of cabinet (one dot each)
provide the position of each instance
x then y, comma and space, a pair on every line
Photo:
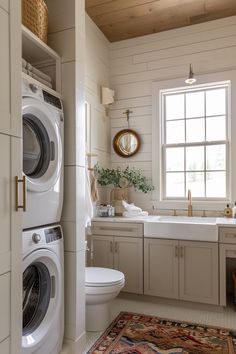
35, 17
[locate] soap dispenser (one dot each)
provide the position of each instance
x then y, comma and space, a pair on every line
228, 211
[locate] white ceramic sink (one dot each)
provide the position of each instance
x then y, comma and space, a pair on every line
182, 228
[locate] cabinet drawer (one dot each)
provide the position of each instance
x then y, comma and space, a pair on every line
117, 229
227, 235
5, 346
4, 307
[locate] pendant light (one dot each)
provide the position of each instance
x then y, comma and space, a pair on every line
191, 79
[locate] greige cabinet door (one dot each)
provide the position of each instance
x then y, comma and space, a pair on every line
198, 266
128, 258
5, 346
102, 248
161, 268
10, 67
5, 108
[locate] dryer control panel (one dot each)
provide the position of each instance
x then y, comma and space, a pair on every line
53, 234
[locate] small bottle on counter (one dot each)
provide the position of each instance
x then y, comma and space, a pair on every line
228, 211
234, 210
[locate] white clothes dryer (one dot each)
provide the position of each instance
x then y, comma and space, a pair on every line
43, 291
43, 130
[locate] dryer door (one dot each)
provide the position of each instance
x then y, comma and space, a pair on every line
42, 145
42, 297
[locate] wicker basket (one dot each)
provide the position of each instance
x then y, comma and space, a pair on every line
35, 17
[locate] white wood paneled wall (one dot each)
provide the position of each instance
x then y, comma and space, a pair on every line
136, 63
97, 75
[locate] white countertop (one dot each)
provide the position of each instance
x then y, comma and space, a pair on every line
230, 222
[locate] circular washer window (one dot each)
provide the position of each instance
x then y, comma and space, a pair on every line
36, 296
36, 147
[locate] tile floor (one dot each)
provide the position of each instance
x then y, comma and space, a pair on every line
202, 314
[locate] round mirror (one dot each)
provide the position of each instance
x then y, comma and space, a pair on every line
126, 143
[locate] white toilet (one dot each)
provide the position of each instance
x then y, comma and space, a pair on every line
101, 286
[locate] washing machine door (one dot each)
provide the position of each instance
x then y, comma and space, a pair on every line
42, 298
42, 144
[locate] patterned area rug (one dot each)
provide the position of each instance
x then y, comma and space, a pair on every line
140, 334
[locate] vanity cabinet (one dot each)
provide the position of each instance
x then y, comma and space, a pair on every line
227, 238
161, 268
184, 270
124, 253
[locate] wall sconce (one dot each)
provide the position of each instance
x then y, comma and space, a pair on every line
107, 96
191, 79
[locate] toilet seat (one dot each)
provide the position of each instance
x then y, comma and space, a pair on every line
102, 277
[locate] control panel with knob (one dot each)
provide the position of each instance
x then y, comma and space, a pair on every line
36, 238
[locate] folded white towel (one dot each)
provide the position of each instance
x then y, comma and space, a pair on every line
24, 71
127, 214
46, 83
24, 63
38, 72
130, 207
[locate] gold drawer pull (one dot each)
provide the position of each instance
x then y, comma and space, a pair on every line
23, 181
111, 246
230, 235
116, 229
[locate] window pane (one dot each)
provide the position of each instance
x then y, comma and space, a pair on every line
195, 130
175, 184
216, 184
174, 106
195, 106
195, 182
215, 128
215, 157
175, 132
195, 158
215, 102
175, 159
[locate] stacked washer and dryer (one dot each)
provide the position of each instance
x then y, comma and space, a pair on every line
43, 299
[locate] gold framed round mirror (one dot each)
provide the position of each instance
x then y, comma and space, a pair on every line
126, 143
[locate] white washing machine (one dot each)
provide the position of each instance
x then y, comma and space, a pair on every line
43, 129
43, 291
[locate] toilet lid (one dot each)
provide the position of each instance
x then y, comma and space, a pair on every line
95, 276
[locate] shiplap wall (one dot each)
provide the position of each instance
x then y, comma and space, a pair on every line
97, 75
136, 63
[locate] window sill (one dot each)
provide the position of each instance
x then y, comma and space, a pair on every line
183, 205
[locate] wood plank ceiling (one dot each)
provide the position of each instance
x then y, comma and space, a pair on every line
123, 19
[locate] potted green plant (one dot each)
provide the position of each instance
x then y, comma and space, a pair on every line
121, 180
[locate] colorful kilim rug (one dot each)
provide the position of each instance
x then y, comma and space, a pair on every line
140, 334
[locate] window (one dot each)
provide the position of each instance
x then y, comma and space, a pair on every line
194, 141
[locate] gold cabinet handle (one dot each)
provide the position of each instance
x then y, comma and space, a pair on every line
182, 251
116, 247
176, 251
23, 181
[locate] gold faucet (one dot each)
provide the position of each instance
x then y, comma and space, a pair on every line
190, 207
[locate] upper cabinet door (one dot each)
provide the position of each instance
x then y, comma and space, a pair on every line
10, 69
5, 104
4, 4
199, 272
